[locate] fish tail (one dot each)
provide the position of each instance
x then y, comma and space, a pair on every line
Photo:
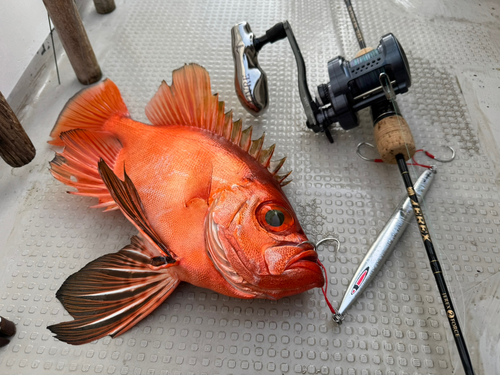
90, 110
114, 292
81, 129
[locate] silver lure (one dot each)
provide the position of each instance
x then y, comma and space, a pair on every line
382, 247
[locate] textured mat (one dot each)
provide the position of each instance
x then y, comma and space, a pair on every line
398, 326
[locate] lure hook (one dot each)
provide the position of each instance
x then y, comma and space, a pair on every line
324, 288
329, 239
453, 154
439, 159
316, 245
359, 152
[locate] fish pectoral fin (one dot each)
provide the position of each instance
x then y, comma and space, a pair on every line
127, 198
111, 294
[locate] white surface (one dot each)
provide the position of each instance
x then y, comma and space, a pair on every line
23, 28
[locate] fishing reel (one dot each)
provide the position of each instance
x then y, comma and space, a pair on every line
367, 80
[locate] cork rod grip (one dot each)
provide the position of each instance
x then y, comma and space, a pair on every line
361, 52
393, 136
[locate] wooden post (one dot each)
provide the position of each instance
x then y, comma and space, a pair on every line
15, 146
104, 6
74, 39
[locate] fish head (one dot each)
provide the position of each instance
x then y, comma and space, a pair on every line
256, 242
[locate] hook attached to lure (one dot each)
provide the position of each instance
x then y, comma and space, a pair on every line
324, 288
358, 152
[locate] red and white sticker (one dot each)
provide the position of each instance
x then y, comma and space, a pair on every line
360, 280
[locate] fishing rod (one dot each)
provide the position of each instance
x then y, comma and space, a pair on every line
397, 149
372, 79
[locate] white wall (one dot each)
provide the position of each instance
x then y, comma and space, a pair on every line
23, 28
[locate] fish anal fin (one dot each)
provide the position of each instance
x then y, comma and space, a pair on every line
111, 294
127, 198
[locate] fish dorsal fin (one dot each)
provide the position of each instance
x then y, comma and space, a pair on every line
189, 101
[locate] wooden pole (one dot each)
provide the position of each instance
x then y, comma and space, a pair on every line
15, 146
74, 39
104, 6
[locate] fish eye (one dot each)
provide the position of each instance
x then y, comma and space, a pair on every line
274, 217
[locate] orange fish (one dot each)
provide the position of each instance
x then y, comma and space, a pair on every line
206, 199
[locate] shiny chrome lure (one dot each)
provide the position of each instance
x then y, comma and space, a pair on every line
382, 247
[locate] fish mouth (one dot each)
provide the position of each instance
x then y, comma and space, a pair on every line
306, 259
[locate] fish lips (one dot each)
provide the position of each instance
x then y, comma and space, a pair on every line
290, 256
307, 259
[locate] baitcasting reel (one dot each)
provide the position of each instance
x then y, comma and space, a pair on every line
367, 80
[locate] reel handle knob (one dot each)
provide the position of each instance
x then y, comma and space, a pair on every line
393, 136
249, 78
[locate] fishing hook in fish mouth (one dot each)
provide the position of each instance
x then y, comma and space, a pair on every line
316, 245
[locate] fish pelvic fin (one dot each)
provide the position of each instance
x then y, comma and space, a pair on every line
127, 198
189, 101
90, 109
113, 293
76, 166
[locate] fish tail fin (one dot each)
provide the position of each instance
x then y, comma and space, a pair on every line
77, 165
114, 292
81, 129
90, 109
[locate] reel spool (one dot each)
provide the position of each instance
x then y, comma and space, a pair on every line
355, 84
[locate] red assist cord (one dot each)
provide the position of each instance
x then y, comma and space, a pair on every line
324, 288
427, 153
413, 159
